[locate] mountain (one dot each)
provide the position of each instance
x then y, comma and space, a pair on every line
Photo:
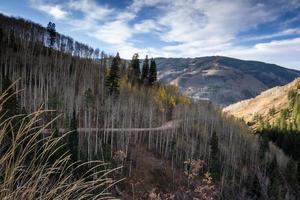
222, 80
155, 142
267, 107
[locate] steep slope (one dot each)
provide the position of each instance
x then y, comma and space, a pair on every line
222, 80
267, 106
168, 162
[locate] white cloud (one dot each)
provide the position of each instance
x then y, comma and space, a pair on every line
292, 31
189, 28
116, 32
212, 22
127, 51
137, 5
91, 10
147, 26
53, 10
4, 13
283, 52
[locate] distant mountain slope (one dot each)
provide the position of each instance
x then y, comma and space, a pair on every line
268, 106
222, 80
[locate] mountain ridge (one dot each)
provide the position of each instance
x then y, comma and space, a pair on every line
222, 80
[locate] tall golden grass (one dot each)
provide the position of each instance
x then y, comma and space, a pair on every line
26, 172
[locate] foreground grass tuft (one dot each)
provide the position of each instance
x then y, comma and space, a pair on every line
28, 170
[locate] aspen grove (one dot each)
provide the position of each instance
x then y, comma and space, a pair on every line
118, 109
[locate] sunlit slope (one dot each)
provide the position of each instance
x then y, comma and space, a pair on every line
267, 106
222, 80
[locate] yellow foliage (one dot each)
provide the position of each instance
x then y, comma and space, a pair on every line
107, 72
167, 97
124, 83
172, 101
184, 100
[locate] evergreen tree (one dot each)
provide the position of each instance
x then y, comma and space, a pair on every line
275, 188
275, 192
214, 156
23, 111
113, 79
1, 39
152, 72
73, 138
60, 148
298, 171
254, 187
135, 69
273, 167
51, 34
145, 70
263, 146
89, 98
291, 171
11, 106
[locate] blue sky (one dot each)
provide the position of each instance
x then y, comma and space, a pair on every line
265, 30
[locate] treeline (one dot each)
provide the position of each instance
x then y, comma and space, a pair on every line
37, 34
104, 94
131, 75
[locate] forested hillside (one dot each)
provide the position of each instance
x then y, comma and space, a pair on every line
275, 110
164, 144
274, 115
267, 106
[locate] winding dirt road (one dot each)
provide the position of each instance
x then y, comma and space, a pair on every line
167, 126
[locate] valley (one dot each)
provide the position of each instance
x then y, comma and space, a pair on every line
79, 123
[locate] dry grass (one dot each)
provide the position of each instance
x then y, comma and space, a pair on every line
276, 98
26, 169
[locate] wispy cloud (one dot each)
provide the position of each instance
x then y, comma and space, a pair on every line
54, 10
146, 26
91, 10
287, 32
284, 52
187, 28
115, 32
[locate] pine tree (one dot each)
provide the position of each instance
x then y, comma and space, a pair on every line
273, 166
214, 156
298, 171
263, 146
11, 106
135, 69
275, 186
254, 189
51, 34
113, 79
152, 73
89, 98
291, 171
60, 148
73, 138
1, 39
145, 70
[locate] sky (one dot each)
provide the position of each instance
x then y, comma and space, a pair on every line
263, 30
